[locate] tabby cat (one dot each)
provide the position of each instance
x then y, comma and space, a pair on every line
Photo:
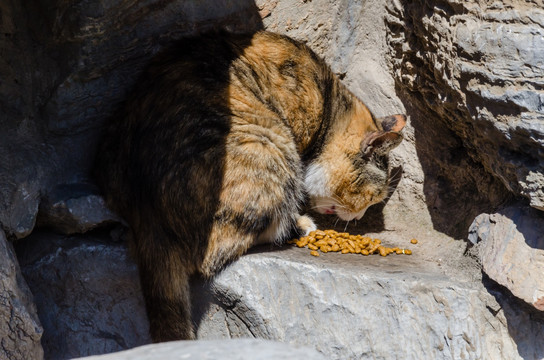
217, 147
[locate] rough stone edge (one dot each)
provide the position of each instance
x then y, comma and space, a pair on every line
215, 349
22, 341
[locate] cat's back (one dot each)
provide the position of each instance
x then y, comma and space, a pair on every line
185, 104
176, 112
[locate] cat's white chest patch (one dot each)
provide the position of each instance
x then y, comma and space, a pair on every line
315, 181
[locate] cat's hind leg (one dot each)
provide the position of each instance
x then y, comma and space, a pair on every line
164, 277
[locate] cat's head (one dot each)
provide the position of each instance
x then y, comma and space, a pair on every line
352, 173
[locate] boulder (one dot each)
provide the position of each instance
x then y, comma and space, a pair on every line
510, 246
240, 349
351, 307
20, 328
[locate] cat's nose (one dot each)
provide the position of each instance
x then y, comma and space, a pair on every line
331, 210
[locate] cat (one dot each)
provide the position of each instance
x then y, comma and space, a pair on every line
222, 140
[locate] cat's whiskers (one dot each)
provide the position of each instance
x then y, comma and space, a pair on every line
317, 207
339, 204
399, 170
322, 207
395, 178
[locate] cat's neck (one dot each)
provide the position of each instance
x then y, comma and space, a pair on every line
344, 120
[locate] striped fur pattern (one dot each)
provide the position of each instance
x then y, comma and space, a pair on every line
216, 149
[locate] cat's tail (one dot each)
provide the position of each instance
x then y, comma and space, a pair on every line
164, 277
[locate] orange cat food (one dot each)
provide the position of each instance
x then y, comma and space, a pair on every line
345, 243
413, 241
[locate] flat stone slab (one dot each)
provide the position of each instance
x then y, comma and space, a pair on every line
355, 307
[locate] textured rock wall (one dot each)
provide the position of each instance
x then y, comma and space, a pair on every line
471, 73
87, 293
476, 67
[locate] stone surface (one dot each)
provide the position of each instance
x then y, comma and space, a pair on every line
510, 246
75, 208
477, 68
240, 349
20, 329
365, 307
87, 293
343, 306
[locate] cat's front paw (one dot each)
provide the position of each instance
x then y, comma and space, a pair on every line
305, 225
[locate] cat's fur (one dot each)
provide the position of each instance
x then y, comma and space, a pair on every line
216, 149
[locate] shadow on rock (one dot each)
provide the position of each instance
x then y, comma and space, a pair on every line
456, 188
525, 324
87, 293
455, 142
529, 222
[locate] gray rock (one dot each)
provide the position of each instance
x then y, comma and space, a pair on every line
477, 69
343, 306
20, 329
75, 208
240, 349
87, 293
510, 246
352, 307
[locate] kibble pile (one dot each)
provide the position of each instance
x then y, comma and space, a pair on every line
331, 240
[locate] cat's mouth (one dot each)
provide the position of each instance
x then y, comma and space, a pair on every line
328, 209
331, 209
348, 216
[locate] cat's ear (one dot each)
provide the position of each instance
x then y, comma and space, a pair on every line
392, 122
380, 142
